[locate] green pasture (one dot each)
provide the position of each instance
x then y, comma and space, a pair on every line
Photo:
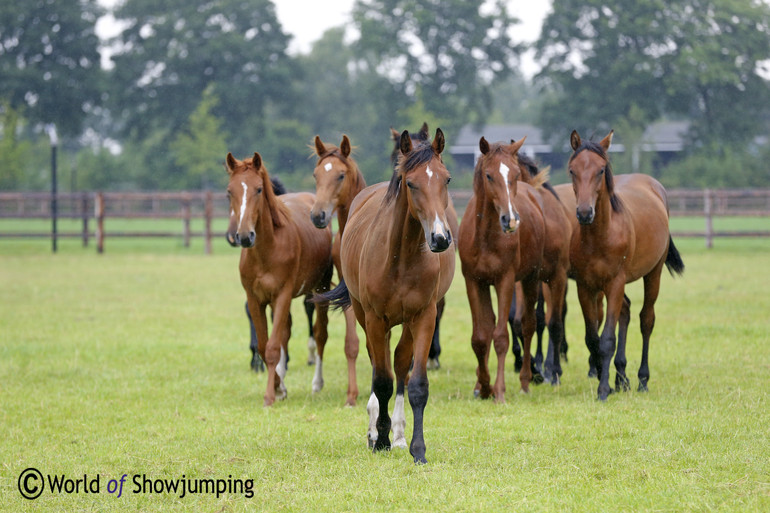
136, 362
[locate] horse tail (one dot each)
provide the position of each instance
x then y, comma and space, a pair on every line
540, 180
674, 261
279, 188
338, 298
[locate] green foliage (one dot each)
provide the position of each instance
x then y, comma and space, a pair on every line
688, 57
49, 60
13, 152
201, 147
718, 167
448, 49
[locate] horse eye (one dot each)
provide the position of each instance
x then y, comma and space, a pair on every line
341, 177
489, 177
259, 190
601, 171
449, 179
411, 185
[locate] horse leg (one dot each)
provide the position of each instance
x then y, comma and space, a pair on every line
276, 348
401, 362
382, 377
647, 321
539, 328
621, 380
321, 335
483, 321
564, 346
421, 329
515, 347
518, 332
504, 288
528, 325
257, 365
554, 293
589, 306
435, 345
311, 343
614, 294
351, 354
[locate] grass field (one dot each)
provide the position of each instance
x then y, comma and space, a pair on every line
135, 363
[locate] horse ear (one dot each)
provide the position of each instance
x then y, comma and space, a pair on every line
406, 142
605, 143
320, 149
395, 135
424, 132
257, 161
345, 145
483, 145
574, 140
515, 146
230, 163
438, 142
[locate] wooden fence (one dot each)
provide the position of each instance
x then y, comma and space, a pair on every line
94, 208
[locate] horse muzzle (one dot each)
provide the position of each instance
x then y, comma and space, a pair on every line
321, 218
440, 242
245, 241
510, 224
585, 214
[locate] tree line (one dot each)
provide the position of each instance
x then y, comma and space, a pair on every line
189, 81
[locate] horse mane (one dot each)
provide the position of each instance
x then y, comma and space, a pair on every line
529, 165
420, 154
278, 187
540, 180
609, 181
278, 210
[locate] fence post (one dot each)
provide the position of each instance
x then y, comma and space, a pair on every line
208, 213
707, 208
84, 212
99, 214
186, 219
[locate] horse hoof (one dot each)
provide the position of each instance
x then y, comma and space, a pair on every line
476, 394
433, 364
642, 387
555, 380
420, 460
592, 373
622, 383
384, 446
318, 386
399, 443
537, 378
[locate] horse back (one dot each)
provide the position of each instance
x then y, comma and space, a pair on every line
645, 205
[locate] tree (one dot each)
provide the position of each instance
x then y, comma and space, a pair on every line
448, 49
693, 58
172, 50
14, 152
199, 149
49, 60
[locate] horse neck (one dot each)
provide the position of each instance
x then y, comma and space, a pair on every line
600, 226
406, 238
265, 230
343, 209
487, 222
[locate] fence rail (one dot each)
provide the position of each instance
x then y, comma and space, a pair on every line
97, 206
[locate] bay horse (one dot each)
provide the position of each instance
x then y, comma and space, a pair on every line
622, 236
283, 256
501, 242
396, 268
337, 181
257, 365
553, 274
435, 347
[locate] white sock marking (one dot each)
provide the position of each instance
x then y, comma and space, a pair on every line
398, 424
373, 408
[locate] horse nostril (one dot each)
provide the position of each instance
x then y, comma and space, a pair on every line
252, 237
237, 239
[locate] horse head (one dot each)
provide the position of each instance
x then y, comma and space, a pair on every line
591, 174
423, 178
496, 178
335, 174
422, 135
250, 193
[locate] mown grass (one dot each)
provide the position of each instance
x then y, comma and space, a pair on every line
136, 362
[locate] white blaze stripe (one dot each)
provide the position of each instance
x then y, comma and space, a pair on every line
504, 170
328, 167
438, 227
429, 173
243, 204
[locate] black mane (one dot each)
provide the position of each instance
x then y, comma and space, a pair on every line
421, 154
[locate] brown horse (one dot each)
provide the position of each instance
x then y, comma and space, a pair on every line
424, 135
553, 274
337, 181
396, 268
622, 235
501, 242
283, 256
